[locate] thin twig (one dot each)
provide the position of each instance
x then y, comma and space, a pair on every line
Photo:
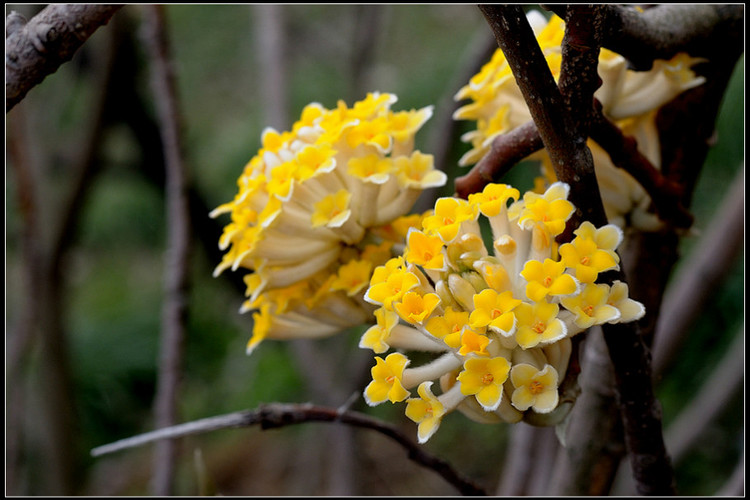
36, 49
174, 309
505, 151
275, 415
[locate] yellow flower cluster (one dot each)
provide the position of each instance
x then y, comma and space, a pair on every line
318, 208
628, 97
498, 324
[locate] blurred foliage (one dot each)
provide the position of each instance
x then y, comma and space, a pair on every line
114, 271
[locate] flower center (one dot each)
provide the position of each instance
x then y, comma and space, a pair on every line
496, 313
589, 310
428, 256
539, 327
585, 260
448, 221
547, 282
390, 379
487, 378
536, 387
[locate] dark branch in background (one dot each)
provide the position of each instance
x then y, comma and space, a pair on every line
709, 263
274, 415
573, 164
36, 49
174, 310
714, 397
44, 254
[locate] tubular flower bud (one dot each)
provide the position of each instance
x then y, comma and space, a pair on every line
499, 319
629, 98
318, 208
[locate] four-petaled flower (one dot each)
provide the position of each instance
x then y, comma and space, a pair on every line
534, 388
448, 216
550, 210
415, 308
590, 306
427, 411
591, 251
386, 380
484, 378
376, 337
547, 278
494, 310
424, 250
538, 324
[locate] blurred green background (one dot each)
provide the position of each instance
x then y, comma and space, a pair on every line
112, 272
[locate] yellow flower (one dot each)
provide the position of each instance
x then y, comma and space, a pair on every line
591, 251
353, 276
333, 210
548, 278
484, 378
473, 343
386, 380
376, 337
494, 310
493, 198
427, 411
630, 310
415, 308
447, 218
550, 210
538, 324
536, 389
448, 326
425, 251
392, 287
590, 306
417, 171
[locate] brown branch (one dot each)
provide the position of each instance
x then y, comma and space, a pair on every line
665, 194
574, 165
662, 31
275, 415
506, 151
174, 309
36, 49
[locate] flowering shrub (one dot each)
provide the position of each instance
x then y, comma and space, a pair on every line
318, 208
497, 322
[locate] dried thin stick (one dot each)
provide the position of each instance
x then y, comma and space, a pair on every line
178, 247
274, 415
36, 49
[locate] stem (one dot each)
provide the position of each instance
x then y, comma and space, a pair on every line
174, 310
274, 415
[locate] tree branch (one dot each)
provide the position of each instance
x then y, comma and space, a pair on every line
36, 49
174, 309
573, 164
662, 31
274, 415
505, 152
